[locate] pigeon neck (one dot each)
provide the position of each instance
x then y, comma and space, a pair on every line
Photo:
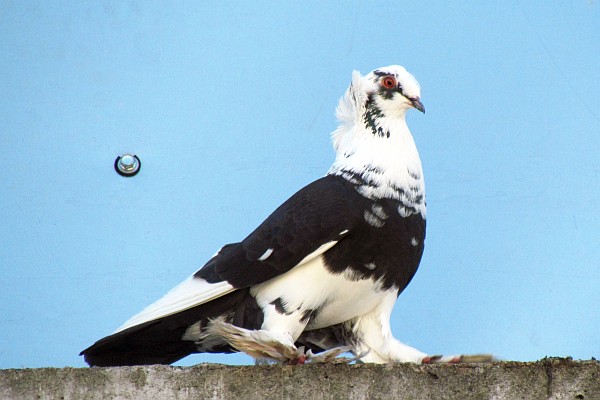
382, 166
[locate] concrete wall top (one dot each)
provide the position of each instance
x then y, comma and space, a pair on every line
545, 379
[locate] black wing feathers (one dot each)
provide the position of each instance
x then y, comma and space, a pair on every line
315, 215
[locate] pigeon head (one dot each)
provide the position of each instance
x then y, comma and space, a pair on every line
377, 102
393, 89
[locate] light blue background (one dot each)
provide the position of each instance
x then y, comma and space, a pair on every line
230, 107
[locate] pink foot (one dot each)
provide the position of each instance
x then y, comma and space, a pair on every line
298, 361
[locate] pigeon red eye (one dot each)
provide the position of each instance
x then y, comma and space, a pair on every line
388, 82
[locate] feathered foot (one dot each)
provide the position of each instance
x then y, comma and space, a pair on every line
266, 345
259, 344
330, 356
473, 358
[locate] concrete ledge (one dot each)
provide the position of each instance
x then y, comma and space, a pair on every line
545, 379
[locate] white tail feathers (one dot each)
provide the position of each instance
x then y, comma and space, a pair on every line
189, 293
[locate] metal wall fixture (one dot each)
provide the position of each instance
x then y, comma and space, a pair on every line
128, 165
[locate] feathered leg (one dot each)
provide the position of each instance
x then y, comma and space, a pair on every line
373, 337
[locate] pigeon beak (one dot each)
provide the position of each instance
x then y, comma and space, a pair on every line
416, 103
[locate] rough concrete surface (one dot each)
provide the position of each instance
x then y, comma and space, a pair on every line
556, 378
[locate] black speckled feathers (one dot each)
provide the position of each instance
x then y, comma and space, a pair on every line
329, 209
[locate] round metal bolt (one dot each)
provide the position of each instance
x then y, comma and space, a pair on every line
127, 165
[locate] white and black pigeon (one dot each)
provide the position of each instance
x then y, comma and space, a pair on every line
321, 274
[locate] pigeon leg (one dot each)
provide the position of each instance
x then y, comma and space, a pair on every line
373, 334
373, 337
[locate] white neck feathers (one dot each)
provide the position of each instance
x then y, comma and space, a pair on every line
389, 161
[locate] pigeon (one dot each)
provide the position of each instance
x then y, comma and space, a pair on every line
320, 276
